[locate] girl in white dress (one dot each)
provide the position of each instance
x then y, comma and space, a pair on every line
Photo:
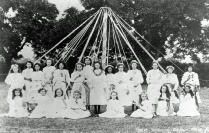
37, 81
187, 105
77, 77
171, 79
44, 105
154, 81
114, 108
48, 77
61, 78
164, 108
76, 104
109, 70
15, 80
145, 107
97, 85
88, 69
16, 108
27, 74
135, 80
124, 93
191, 78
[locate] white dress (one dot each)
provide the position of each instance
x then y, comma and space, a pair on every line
87, 71
173, 80
27, 73
15, 80
78, 84
78, 108
193, 81
110, 81
145, 111
43, 108
154, 80
97, 85
114, 110
61, 79
122, 88
134, 78
37, 82
48, 77
187, 106
16, 108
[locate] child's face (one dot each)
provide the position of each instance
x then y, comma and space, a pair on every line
155, 66
59, 93
87, 61
61, 66
43, 92
97, 65
164, 89
133, 65
143, 97
15, 69
79, 67
120, 68
170, 70
190, 69
76, 95
187, 89
113, 96
28, 65
37, 67
109, 70
49, 62
17, 93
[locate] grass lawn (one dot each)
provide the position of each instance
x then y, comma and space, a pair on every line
103, 125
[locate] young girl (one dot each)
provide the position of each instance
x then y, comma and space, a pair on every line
163, 108
27, 74
109, 70
59, 108
87, 68
76, 104
124, 93
114, 108
37, 81
191, 78
48, 77
15, 80
61, 77
187, 105
77, 77
97, 83
44, 105
135, 80
145, 107
16, 108
154, 81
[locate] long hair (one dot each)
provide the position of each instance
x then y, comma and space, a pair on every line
167, 92
115, 93
64, 64
30, 63
87, 58
97, 62
38, 65
13, 92
106, 70
140, 97
190, 91
12, 67
55, 92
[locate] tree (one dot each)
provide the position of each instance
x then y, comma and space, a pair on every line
33, 23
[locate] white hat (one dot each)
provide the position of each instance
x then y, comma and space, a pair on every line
170, 67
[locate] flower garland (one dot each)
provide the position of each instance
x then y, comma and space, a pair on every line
98, 74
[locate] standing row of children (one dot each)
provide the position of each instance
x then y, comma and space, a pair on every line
91, 86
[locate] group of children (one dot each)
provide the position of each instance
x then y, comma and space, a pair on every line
53, 93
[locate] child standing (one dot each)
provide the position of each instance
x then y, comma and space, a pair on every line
16, 108
145, 107
114, 108
76, 104
164, 108
187, 105
109, 70
15, 80
43, 107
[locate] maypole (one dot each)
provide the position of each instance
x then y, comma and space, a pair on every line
104, 37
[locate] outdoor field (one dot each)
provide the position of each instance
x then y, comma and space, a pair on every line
103, 125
